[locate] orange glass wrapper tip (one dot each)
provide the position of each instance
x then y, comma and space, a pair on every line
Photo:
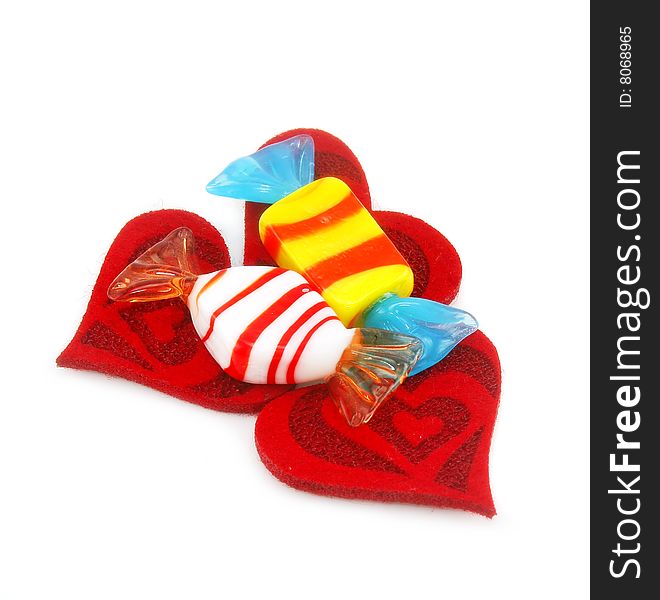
369, 370
166, 270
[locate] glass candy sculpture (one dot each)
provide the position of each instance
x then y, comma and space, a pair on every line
270, 325
322, 231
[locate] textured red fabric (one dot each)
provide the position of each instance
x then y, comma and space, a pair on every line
155, 343
427, 445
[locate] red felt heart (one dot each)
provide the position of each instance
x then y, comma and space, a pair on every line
429, 443
434, 260
155, 343
305, 443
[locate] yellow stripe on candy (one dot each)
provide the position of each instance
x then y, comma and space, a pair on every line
309, 201
351, 295
333, 239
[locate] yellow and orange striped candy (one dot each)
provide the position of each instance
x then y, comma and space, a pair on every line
323, 232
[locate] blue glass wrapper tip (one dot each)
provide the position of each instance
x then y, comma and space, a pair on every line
269, 174
439, 327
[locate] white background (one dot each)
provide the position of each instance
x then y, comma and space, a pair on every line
471, 115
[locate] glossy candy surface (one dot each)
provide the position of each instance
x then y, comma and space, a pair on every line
371, 368
439, 327
270, 173
323, 232
268, 325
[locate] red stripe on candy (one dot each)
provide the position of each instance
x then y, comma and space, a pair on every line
296, 357
345, 208
376, 252
209, 284
265, 278
276, 234
240, 356
286, 338
271, 242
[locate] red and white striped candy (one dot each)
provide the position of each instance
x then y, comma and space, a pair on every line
267, 325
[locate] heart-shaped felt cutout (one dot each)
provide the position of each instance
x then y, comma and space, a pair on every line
434, 260
305, 443
429, 443
155, 343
